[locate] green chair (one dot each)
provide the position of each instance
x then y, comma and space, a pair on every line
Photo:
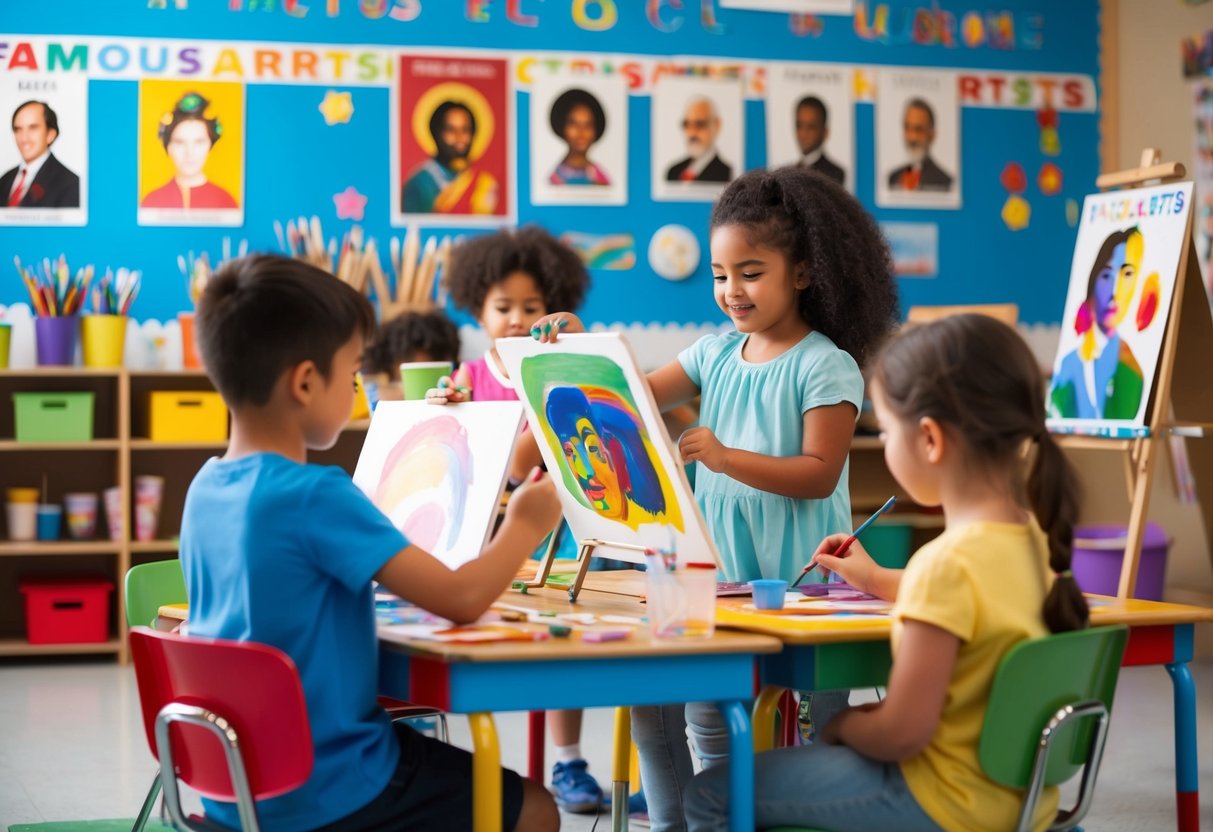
1056, 691
150, 586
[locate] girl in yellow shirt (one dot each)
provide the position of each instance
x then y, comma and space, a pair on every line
958, 401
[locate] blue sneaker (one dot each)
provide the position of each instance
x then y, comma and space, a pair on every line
575, 789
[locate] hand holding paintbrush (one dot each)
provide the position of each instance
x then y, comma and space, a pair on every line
837, 545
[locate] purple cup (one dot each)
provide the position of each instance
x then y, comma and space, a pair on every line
55, 339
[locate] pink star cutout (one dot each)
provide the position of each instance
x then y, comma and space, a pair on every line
351, 205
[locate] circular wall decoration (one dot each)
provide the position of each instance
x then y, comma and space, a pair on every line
674, 252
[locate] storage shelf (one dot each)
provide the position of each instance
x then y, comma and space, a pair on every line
154, 546
59, 372
28, 548
167, 373
866, 443
152, 445
21, 647
92, 445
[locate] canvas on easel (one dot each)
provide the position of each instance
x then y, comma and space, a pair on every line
1176, 399
438, 473
1122, 281
603, 441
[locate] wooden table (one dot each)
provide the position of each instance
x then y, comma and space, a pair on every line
829, 654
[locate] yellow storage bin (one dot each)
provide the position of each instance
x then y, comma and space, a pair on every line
187, 416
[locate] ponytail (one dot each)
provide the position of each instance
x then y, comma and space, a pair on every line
1054, 494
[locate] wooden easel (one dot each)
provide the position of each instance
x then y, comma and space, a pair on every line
1181, 402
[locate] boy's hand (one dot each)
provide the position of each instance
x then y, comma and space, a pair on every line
701, 445
546, 329
856, 567
447, 393
534, 504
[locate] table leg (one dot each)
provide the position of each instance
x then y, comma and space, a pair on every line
486, 774
536, 737
621, 769
1187, 784
764, 717
741, 766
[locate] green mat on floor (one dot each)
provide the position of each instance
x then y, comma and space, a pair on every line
119, 825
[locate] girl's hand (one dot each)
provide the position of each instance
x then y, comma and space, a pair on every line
701, 445
856, 567
546, 329
535, 504
447, 393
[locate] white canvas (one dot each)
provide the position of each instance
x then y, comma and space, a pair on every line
897, 87
608, 154
832, 84
604, 443
1122, 280
438, 472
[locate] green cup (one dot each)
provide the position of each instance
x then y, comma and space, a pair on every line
6, 339
418, 376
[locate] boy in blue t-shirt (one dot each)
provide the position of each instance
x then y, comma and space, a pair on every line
281, 552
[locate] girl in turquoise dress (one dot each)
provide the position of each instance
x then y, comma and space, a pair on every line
802, 271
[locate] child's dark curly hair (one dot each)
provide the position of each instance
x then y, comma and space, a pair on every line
480, 263
851, 297
406, 336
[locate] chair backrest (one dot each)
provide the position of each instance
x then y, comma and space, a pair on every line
253, 686
1035, 679
149, 586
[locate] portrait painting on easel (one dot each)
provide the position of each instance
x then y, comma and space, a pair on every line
1122, 281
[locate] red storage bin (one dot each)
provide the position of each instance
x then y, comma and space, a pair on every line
67, 611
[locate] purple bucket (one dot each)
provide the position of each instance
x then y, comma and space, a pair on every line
1100, 550
55, 340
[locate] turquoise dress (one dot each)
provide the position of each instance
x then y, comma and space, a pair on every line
760, 408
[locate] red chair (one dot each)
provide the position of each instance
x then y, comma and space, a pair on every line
236, 742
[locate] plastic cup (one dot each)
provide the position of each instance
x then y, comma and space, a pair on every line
6, 340
769, 593
104, 340
22, 520
189, 347
55, 340
416, 377
148, 492
113, 511
682, 604
81, 511
50, 518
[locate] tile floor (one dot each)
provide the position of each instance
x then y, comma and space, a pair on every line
72, 747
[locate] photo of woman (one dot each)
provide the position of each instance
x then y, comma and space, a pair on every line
579, 120
188, 134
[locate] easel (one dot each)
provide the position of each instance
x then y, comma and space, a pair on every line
1181, 401
584, 553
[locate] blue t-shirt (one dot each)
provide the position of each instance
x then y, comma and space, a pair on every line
283, 553
760, 408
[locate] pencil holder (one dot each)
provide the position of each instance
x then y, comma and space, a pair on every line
189, 347
55, 339
6, 337
104, 340
681, 604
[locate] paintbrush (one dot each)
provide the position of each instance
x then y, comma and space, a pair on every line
846, 544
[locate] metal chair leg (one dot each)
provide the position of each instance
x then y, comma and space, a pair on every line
149, 802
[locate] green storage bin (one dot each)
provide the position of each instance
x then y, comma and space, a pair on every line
889, 543
53, 417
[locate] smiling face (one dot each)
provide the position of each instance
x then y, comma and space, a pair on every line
30, 132
188, 147
753, 284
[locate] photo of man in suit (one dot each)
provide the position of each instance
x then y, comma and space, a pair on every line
812, 130
41, 180
449, 182
921, 173
700, 127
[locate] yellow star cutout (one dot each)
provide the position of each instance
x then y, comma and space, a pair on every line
337, 107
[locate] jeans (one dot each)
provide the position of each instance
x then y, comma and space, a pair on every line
823, 786
660, 733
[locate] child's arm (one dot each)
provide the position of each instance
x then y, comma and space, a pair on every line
902, 725
812, 475
464, 594
857, 568
526, 456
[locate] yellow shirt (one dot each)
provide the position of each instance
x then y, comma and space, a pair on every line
985, 584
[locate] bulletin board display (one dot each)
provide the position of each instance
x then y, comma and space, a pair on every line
185, 123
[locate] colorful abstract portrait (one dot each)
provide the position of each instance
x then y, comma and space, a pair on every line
593, 426
423, 487
1101, 377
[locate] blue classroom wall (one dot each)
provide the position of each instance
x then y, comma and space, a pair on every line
295, 163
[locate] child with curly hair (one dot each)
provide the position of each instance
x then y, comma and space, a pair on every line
507, 281
802, 271
410, 336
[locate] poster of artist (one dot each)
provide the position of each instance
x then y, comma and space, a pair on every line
579, 130
811, 120
452, 142
698, 137
917, 139
44, 158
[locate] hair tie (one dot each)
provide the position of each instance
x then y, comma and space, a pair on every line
1065, 573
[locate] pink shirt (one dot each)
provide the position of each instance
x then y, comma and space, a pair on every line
488, 385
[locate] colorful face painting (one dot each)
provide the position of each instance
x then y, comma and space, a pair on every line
593, 426
424, 485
